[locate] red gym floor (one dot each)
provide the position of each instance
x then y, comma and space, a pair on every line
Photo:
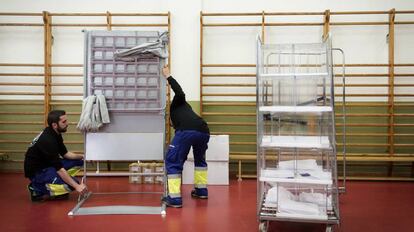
367, 206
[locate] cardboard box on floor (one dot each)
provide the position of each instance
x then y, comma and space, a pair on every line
217, 157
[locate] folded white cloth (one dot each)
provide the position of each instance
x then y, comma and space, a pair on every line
295, 207
103, 109
94, 113
157, 48
318, 198
277, 193
305, 204
317, 174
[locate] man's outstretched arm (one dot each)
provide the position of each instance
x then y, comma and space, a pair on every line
73, 156
179, 93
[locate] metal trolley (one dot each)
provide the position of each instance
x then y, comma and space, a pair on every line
296, 152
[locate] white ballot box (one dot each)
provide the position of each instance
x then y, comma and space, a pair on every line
217, 157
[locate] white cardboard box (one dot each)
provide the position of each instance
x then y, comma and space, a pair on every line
218, 149
218, 172
217, 157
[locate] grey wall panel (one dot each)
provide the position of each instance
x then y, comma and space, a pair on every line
124, 146
135, 93
133, 122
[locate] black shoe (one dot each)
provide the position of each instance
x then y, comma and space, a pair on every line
60, 197
34, 197
201, 193
172, 202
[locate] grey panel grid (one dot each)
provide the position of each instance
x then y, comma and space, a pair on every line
127, 85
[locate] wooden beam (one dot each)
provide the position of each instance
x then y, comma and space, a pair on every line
19, 102
22, 122
67, 75
66, 103
229, 65
66, 94
104, 14
230, 14
263, 27
229, 85
229, 75
108, 21
228, 114
168, 86
326, 17
391, 87
47, 20
23, 74
231, 24
201, 63
113, 25
67, 84
33, 132
19, 14
21, 24
21, 93
20, 84
21, 64
205, 103
67, 65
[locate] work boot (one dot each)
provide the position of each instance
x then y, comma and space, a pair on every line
175, 202
34, 197
201, 193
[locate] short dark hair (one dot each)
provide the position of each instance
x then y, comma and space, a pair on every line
54, 116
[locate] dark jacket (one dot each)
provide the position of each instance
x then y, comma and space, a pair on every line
44, 151
182, 115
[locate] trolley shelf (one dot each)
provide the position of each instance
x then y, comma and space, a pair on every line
301, 216
271, 213
320, 142
295, 109
276, 75
296, 180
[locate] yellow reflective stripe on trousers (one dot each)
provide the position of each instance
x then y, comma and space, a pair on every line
57, 189
200, 178
73, 171
174, 186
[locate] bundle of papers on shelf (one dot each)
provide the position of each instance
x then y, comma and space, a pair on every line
304, 204
272, 196
317, 198
306, 169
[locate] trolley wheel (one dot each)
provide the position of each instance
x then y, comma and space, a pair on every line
329, 228
263, 226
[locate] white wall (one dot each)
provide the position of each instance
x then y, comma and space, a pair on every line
186, 32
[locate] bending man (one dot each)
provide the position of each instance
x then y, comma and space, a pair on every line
50, 175
190, 131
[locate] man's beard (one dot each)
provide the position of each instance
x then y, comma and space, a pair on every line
62, 130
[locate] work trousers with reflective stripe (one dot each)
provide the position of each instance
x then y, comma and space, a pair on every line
177, 155
48, 182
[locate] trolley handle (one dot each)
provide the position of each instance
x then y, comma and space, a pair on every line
343, 188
